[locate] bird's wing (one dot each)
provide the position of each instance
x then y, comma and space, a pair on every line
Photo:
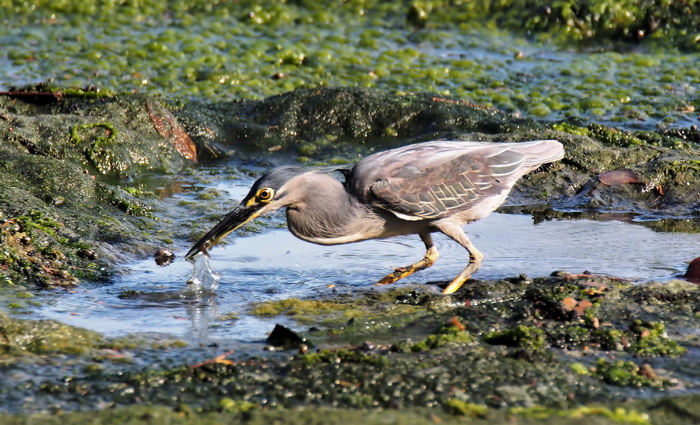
435, 180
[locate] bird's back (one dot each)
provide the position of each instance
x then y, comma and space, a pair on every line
437, 179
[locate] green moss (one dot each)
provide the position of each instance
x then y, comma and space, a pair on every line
621, 415
580, 369
341, 356
625, 374
90, 94
447, 335
19, 337
227, 317
297, 307
652, 341
229, 405
571, 129
125, 202
520, 336
368, 306
462, 408
38, 220
34, 250
613, 136
608, 338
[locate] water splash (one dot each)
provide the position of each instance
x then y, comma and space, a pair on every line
203, 277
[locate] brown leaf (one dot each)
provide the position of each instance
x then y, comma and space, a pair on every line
218, 359
569, 303
582, 306
167, 126
618, 177
693, 272
648, 372
457, 324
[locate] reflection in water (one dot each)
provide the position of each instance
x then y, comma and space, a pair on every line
202, 309
275, 265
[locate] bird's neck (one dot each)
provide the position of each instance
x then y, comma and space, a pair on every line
328, 215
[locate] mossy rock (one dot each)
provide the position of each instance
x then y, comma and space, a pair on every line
19, 337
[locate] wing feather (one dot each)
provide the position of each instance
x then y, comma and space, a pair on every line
437, 179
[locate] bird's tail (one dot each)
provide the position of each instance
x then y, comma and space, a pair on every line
539, 152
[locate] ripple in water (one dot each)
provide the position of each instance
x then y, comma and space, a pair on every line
275, 265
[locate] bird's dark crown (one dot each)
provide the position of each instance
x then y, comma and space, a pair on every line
277, 177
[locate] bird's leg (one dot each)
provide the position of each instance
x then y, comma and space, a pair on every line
431, 255
457, 234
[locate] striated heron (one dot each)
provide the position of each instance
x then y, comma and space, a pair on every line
416, 189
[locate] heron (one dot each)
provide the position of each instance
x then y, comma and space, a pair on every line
421, 189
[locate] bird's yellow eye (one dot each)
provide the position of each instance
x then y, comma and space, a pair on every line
265, 195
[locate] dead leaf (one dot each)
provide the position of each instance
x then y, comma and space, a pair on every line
619, 177
693, 272
457, 324
648, 372
569, 303
582, 306
167, 126
218, 359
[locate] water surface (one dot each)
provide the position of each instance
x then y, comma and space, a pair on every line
274, 264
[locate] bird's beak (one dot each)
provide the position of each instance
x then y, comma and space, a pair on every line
235, 219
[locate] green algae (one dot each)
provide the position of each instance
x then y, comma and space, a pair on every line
35, 249
341, 311
98, 150
462, 408
19, 337
652, 341
617, 415
377, 375
519, 336
213, 50
448, 334
231, 406
301, 310
626, 373
340, 356
160, 415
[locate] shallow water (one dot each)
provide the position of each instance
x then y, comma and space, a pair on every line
274, 264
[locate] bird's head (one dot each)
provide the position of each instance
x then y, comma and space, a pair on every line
274, 190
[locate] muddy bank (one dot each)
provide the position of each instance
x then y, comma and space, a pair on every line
558, 349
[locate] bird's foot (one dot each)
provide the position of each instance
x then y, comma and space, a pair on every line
398, 274
455, 285
474, 265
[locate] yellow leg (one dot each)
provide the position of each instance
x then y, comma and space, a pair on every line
475, 257
431, 255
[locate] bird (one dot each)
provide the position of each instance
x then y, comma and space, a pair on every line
420, 188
